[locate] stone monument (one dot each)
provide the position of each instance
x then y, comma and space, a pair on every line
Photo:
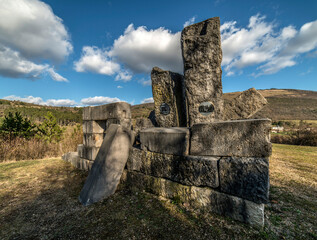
207, 152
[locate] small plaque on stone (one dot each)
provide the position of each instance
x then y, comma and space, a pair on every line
206, 108
164, 109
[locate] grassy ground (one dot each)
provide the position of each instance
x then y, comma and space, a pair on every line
38, 200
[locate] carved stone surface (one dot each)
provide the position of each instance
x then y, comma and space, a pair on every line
245, 105
202, 55
169, 98
94, 126
198, 197
108, 166
241, 138
166, 140
247, 178
189, 170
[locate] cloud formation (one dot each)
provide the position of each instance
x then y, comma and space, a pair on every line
99, 100
40, 101
29, 33
260, 44
148, 100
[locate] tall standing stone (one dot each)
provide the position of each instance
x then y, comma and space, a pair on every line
202, 55
169, 98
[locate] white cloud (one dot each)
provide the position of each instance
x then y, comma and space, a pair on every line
148, 100
96, 60
30, 33
40, 101
55, 76
99, 100
145, 82
261, 45
119, 87
124, 76
141, 49
189, 22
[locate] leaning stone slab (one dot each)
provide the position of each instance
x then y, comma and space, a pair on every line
108, 166
166, 140
247, 178
169, 98
94, 126
202, 55
240, 138
119, 110
93, 139
189, 170
200, 198
244, 106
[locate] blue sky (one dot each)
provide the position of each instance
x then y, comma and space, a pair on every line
77, 53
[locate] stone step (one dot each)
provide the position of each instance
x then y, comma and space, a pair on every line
189, 170
166, 140
239, 138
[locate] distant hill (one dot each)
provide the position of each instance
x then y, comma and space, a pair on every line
283, 104
37, 113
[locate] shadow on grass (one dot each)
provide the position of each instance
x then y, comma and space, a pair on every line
51, 210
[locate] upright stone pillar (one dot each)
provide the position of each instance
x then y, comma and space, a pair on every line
169, 98
202, 55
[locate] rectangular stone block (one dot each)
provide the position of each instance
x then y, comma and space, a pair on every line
165, 140
244, 106
247, 178
240, 138
169, 98
117, 110
198, 197
124, 122
80, 150
189, 170
85, 164
94, 126
202, 55
93, 139
90, 153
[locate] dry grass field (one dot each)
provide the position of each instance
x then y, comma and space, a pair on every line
38, 200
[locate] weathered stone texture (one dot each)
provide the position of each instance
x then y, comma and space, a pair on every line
168, 88
244, 106
189, 170
119, 110
247, 178
198, 197
240, 138
93, 139
166, 140
80, 150
107, 167
90, 153
94, 126
202, 55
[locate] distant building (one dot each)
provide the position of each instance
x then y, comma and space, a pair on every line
277, 129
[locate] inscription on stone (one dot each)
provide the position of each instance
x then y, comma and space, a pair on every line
164, 109
206, 108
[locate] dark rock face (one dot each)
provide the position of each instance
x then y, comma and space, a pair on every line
247, 178
240, 138
108, 166
189, 170
169, 98
166, 140
202, 55
244, 106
